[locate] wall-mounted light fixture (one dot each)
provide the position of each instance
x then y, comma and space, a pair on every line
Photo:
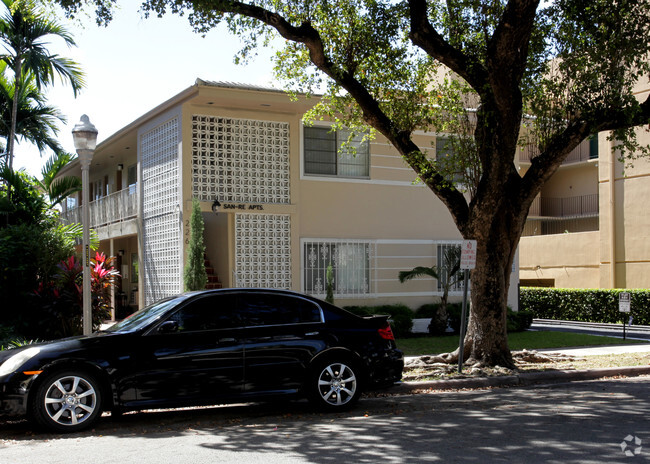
215, 206
120, 167
120, 252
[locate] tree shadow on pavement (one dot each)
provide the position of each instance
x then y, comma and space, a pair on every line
577, 422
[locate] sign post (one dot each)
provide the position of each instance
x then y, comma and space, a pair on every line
624, 306
467, 262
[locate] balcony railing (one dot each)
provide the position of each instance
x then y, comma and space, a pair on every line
116, 207
588, 149
580, 206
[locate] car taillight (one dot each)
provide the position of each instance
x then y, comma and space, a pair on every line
386, 333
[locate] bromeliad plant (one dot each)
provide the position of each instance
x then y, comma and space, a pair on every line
62, 298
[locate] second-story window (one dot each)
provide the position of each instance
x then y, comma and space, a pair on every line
329, 153
132, 178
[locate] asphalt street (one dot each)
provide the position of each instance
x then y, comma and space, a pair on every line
578, 422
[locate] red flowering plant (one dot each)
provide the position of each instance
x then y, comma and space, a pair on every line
62, 298
103, 278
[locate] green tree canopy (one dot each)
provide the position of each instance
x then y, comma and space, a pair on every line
24, 33
36, 121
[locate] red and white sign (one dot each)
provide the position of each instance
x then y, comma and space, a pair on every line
468, 254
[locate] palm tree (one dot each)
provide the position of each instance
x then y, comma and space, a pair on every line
58, 190
36, 121
447, 276
24, 30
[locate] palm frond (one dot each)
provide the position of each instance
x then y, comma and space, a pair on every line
419, 271
60, 189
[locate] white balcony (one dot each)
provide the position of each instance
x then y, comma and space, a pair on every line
114, 208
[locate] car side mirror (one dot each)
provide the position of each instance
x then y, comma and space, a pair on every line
168, 327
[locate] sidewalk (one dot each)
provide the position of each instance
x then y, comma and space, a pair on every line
600, 350
542, 377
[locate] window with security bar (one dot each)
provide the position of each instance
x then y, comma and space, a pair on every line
444, 268
351, 264
333, 153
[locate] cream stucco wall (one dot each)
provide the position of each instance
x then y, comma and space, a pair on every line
404, 222
578, 268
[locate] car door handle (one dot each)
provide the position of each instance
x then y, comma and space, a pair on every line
226, 340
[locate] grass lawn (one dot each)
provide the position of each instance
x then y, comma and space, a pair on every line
531, 340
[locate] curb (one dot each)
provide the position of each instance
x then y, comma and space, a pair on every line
523, 379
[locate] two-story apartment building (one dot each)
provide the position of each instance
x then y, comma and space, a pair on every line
279, 202
589, 227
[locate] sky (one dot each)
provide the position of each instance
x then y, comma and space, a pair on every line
135, 64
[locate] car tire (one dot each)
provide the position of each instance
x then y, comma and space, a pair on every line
334, 384
66, 401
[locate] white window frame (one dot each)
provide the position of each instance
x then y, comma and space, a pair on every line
336, 176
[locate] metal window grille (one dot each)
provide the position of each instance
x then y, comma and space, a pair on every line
351, 265
160, 211
263, 250
240, 160
440, 252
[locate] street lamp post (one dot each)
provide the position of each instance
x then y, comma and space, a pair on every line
85, 141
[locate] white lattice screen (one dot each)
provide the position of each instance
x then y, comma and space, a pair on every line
240, 160
160, 211
263, 250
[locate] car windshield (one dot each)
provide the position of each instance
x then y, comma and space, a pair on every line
146, 316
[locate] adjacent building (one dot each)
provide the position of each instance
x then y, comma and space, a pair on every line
589, 226
280, 203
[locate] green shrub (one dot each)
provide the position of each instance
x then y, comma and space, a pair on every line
439, 320
586, 305
427, 311
519, 321
401, 316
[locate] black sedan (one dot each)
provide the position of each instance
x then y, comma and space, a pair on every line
203, 348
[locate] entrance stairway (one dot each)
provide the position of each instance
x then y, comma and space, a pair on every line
213, 278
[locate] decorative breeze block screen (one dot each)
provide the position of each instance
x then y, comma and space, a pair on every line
160, 211
263, 250
240, 160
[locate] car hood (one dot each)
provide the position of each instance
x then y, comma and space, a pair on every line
64, 344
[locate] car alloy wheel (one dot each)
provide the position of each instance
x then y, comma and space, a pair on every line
337, 385
68, 402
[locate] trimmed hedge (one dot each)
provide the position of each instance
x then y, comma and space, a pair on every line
401, 316
585, 305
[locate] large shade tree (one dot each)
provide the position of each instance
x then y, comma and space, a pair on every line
564, 69
25, 32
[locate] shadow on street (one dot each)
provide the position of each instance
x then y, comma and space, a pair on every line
577, 422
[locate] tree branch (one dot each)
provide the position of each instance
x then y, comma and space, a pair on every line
544, 165
507, 50
428, 39
372, 112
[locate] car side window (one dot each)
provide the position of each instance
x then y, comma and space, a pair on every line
211, 312
269, 309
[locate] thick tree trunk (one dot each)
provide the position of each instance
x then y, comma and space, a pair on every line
497, 239
11, 139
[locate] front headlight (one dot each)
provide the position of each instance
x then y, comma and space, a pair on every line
17, 360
